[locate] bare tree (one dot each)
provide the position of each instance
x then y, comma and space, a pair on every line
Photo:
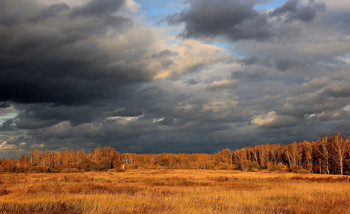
338, 148
323, 150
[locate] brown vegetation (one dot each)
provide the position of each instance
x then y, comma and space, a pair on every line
329, 155
174, 191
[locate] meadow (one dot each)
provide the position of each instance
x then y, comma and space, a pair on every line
174, 191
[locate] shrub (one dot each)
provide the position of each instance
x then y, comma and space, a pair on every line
70, 170
35, 169
295, 168
278, 167
253, 166
122, 168
303, 171
224, 166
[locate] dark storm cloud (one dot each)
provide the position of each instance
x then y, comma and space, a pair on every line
177, 129
163, 120
50, 11
98, 8
129, 112
61, 60
322, 97
294, 10
237, 19
8, 125
284, 61
4, 105
34, 116
283, 64
164, 54
139, 136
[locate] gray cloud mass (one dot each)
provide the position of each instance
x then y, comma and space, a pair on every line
59, 58
78, 74
238, 20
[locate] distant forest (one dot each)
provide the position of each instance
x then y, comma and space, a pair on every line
329, 155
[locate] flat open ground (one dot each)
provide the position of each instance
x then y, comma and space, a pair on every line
174, 191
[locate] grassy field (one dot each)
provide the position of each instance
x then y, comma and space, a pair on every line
174, 191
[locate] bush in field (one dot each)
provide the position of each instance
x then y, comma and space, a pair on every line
225, 166
70, 170
122, 168
278, 167
295, 168
303, 171
235, 167
253, 166
35, 169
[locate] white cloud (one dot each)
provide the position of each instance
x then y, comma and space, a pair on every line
157, 120
124, 118
187, 55
273, 120
131, 6
223, 84
5, 146
347, 108
265, 119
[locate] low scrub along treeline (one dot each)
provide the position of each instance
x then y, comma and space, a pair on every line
329, 155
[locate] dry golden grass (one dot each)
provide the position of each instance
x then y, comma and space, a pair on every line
174, 191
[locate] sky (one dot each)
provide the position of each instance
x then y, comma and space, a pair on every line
171, 76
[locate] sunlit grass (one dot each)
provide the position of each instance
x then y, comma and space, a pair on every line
174, 191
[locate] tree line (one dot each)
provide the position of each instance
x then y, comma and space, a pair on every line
328, 155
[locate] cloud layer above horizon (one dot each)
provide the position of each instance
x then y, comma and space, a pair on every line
199, 77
